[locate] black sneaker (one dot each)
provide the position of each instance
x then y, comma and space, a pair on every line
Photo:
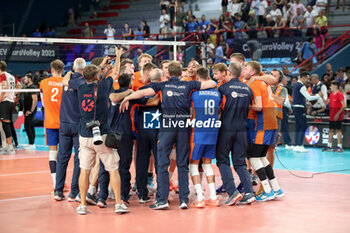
160, 205
338, 149
59, 196
234, 198
143, 200
91, 199
183, 205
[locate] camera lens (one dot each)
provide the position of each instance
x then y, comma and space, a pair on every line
97, 138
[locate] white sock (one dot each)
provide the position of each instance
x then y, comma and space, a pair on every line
329, 144
266, 186
171, 176
274, 185
53, 176
212, 191
199, 191
92, 189
340, 145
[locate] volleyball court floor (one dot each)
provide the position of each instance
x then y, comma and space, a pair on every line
318, 204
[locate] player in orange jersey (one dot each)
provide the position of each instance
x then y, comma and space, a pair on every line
220, 73
262, 125
164, 67
51, 92
126, 67
192, 70
142, 60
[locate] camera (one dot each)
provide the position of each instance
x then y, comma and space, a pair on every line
111, 51
96, 133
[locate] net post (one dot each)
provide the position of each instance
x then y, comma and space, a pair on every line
175, 53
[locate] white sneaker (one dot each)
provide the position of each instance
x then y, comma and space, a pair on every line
82, 210
121, 208
288, 147
29, 147
8, 151
300, 149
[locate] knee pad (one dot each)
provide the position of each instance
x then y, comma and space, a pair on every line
53, 155
264, 161
7, 129
193, 170
208, 170
256, 163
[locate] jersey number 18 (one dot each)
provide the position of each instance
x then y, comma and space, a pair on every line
209, 107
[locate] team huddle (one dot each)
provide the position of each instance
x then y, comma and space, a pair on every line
165, 118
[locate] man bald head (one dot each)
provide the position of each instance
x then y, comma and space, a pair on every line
155, 75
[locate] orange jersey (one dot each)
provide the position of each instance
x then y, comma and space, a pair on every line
219, 84
116, 84
137, 83
265, 119
51, 89
189, 79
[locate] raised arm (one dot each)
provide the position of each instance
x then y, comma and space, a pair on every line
117, 97
208, 84
66, 78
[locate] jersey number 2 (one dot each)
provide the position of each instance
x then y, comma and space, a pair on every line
209, 107
55, 93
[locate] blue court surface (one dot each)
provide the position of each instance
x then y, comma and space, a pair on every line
313, 161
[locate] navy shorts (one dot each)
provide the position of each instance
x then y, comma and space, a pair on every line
198, 151
51, 137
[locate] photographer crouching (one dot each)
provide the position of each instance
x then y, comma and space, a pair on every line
95, 137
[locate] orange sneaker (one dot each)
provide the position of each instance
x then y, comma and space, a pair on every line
66, 188
211, 202
198, 204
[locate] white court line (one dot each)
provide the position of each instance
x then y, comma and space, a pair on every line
24, 198
28, 173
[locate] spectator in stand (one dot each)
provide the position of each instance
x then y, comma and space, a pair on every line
322, 23
329, 71
188, 15
204, 28
37, 33
297, 22
30, 100
180, 20
262, 12
255, 50
109, 32
251, 25
212, 27
87, 31
238, 27
224, 4
307, 50
326, 81
164, 21
254, 5
310, 19
234, 7
224, 44
221, 25
297, 5
347, 89
341, 77
139, 34
337, 107
164, 4
71, 18
171, 10
275, 12
127, 33
210, 47
50, 32
145, 29
219, 53
281, 23
192, 25
285, 8
245, 10
268, 25
279, 4
287, 74
319, 40
321, 5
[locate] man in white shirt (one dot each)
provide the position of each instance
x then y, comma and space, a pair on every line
310, 17
234, 7
318, 106
109, 32
164, 20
